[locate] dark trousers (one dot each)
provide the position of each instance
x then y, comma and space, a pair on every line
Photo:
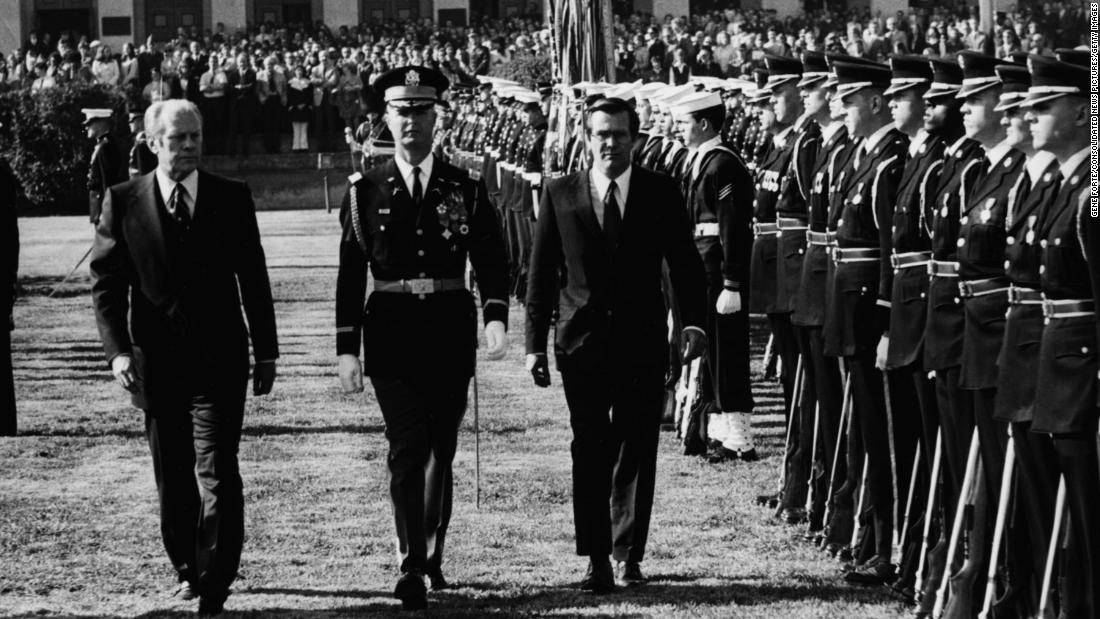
242, 114
825, 373
215, 120
1032, 515
913, 404
957, 426
1080, 579
869, 415
728, 381
785, 345
615, 416
422, 418
7, 384
201, 524
804, 426
273, 123
842, 513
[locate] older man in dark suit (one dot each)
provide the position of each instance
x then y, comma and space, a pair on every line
177, 252
611, 343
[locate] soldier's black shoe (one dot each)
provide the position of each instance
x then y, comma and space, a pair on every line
629, 574
411, 591
903, 590
844, 555
877, 571
791, 515
212, 604
748, 455
436, 581
598, 578
768, 500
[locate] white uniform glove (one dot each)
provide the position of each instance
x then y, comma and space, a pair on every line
729, 302
496, 339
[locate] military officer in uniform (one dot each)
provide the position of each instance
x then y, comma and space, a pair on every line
785, 75
718, 187
822, 372
106, 167
413, 221
9, 267
142, 160
1017, 362
1066, 396
859, 301
929, 131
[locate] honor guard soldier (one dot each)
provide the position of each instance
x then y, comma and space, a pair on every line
900, 352
822, 372
647, 138
771, 171
9, 277
850, 465
142, 160
106, 167
1017, 363
717, 193
785, 75
413, 221
943, 333
858, 299
1066, 395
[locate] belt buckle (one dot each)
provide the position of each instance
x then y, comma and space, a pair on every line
965, 291
1048, 309
420, 286
894, 261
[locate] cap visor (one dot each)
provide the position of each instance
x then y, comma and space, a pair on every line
1036, 99
940, 93
812, 81
406, 104
967, 91
892, 90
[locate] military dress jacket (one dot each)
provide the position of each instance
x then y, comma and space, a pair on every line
981, 254
770, 174
791, 213
911, 241
858, 313
106, 167
417, 334
943, 333
720, 195
1068, 362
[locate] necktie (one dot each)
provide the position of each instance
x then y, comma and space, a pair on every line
418, 190
177, 206
612, 217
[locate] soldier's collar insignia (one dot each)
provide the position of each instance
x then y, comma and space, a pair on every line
412, 78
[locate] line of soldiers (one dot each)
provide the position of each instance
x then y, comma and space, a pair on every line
921, 240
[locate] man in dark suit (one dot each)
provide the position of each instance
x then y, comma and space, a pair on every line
413, 221
611, 343
171, 251
9, 266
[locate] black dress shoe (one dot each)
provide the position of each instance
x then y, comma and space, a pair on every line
411, 591
185, 591
791, 515
436, 581
629, 574
212, 604
598, 578
768, 500
877, 571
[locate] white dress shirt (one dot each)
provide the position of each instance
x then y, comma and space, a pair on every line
190, 184
406, 170
599, 186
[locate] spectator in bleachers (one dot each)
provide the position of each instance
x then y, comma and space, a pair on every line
299, 101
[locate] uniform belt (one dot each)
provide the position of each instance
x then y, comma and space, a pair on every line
708, 229
1024, 296
938, 268
790, 223
420, 286
982, 287
830, 237
817, 238
910, 259
856, 254
1068, 308
769, 229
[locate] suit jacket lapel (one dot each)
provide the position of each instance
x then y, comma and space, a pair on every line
150, 210
586, 211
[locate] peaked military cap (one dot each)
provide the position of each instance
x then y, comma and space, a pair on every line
1015, 81
947, 78
92, 114
852, 77
1051, 79
815, 69
761, 93
412, 87
909, 71
1073, 56
782, 71
979, 72
832, 57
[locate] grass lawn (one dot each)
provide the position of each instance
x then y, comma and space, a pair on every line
78, 516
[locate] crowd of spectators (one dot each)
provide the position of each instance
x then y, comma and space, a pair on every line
310, 80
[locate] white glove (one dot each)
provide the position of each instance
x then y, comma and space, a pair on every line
729, 302
496, 340
351, 373
883, 349
125, 373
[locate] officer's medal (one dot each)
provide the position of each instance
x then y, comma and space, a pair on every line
987, 211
